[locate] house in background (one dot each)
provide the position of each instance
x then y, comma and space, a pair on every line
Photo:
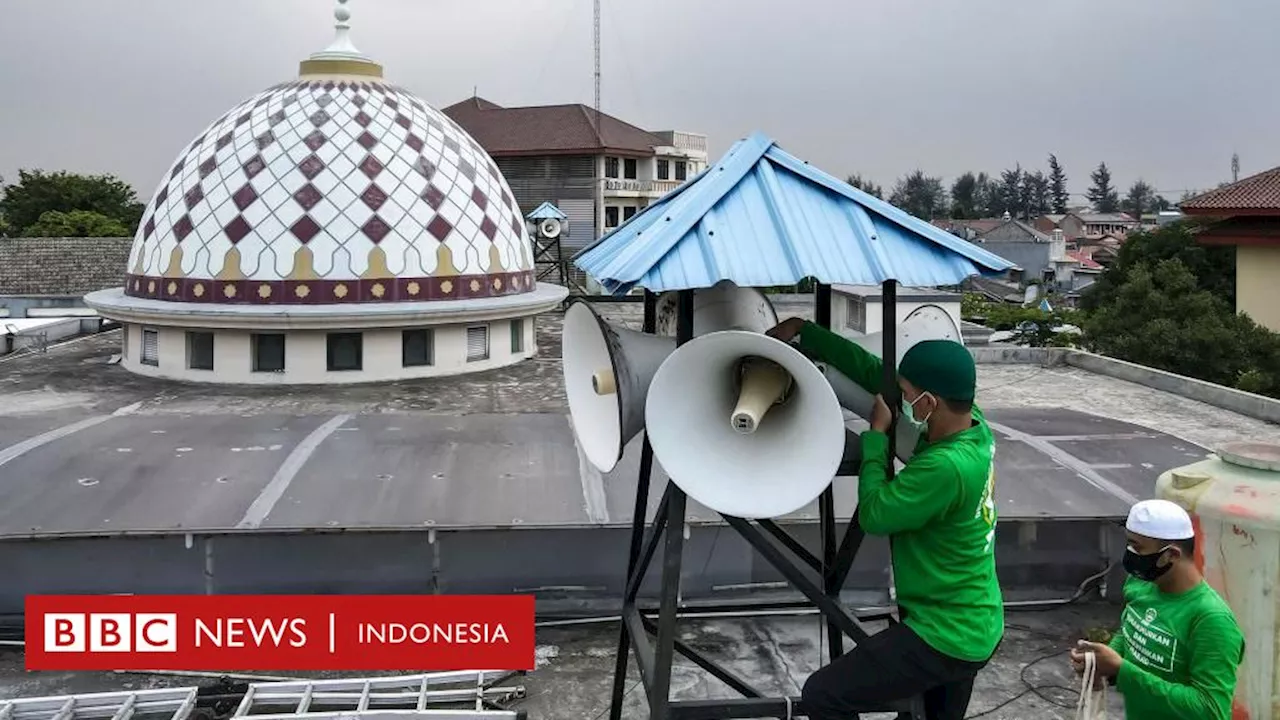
969, 229
1043, 258
1078, 226
1247, 215
49, 277
600, 171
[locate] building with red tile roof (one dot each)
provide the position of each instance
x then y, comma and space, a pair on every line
597, 169
1246, 214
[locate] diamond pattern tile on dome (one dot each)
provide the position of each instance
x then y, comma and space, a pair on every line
376, 229
244, 197
305, 229
315, 140
237, 229
193, 196
342, 168
253, 166
433, 196
371, 166
307, 196
373, 196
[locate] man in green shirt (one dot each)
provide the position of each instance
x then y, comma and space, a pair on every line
939, 513
1176, 654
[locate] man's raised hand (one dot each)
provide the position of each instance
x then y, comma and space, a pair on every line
786, 330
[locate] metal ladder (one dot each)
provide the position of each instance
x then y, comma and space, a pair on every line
172, 703
438, 696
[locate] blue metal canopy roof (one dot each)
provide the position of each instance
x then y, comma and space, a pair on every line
761, 217
545, 211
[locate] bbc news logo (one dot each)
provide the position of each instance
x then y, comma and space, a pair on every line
111, 632
280, 632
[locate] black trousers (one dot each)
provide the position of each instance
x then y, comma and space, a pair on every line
894, 664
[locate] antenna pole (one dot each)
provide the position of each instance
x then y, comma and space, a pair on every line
597, 58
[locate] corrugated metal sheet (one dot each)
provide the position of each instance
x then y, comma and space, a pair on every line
544, 211
582, 223
761, 217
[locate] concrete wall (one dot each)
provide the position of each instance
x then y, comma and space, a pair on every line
569, 567
1257, 273
306, 356
19, 306
36, 333
1032, 257
1248, 404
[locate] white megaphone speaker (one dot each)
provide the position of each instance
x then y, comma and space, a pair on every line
723, 306
745, 424
607, 370
927, 322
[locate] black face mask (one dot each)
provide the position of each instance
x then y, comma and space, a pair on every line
1145, 567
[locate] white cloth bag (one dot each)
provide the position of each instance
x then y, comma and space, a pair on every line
1092, 704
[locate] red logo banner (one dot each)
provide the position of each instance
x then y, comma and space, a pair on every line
423, 633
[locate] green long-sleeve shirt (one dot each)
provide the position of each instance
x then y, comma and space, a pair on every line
939, 512
1180, 653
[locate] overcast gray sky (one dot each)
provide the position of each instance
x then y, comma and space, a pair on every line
1163, 89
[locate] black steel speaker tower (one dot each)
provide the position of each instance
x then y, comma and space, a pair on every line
819, 578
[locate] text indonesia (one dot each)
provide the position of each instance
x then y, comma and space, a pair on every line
422, 633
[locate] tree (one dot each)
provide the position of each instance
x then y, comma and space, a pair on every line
1012, 194
1141, 198
865, 186
1102, 194
1030, 325
1037, 197
920, 195
1057, 186
964, 197
986, 197
1213, 266
77, 223
38, 192
1161, 318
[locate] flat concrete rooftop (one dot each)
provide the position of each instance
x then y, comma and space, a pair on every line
88, 448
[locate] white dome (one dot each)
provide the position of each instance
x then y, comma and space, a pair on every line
331, 190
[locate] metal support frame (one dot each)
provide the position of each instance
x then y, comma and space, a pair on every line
429, 695
818, 577
549, 262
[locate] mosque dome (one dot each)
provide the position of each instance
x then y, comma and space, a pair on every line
334, 188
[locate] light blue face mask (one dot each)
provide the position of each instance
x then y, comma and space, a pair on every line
909, 415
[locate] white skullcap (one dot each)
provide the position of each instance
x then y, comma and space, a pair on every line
1160, 520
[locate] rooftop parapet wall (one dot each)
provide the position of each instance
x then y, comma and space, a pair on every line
1248, 404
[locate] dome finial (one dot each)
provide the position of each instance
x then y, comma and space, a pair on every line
341, 49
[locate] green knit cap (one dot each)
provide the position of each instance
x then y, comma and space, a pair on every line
942, 367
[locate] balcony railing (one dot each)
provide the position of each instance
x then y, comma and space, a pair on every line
660, 187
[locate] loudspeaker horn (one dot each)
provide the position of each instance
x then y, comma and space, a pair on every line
723, 306
927, 322
607, 371
607, 368
745, 424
